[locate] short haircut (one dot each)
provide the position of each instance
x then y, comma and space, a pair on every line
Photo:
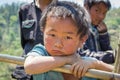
91, 3
64, 9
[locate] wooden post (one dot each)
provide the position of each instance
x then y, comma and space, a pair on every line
117, 61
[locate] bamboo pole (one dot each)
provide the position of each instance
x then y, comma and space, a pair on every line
12, 59
66, 69
117, 61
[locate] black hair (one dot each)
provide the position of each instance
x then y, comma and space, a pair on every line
65, 9
91, 3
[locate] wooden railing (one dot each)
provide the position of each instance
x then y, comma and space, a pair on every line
91, 72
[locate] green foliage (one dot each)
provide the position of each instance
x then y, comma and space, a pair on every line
113, 22
9, 37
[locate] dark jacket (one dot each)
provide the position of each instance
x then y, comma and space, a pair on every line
29, 26
98, 46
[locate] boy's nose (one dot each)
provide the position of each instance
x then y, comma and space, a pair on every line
58, 43
101, 16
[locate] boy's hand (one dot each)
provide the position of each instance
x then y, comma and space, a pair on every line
102, 28
81, 67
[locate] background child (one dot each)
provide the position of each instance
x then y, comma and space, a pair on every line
65, 28
98, 42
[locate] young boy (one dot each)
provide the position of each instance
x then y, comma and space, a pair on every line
65, 28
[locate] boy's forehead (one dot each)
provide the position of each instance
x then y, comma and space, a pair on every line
57, 18
61, 24
100, 4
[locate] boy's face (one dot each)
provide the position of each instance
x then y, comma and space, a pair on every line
98, 13
60, 36
45, 1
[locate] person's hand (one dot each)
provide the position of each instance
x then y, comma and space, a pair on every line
81, 67
102, 28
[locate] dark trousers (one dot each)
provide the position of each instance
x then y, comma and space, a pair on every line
19, 73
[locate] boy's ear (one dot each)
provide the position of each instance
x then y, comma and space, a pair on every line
83, 40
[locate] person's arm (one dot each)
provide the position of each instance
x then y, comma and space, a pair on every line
38, 61
105, 56
104, 39
103, 66
41, 64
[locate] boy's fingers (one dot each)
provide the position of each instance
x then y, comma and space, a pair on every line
84, 71
80, 71
75, 69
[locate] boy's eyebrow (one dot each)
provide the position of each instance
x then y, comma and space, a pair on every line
64, 32
53, 30
69, 32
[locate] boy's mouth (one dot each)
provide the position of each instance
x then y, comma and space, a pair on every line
57, 52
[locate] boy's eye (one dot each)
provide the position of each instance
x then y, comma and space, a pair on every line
68, 37
97, 10
53, 35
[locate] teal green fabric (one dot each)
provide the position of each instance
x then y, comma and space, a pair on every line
50, 75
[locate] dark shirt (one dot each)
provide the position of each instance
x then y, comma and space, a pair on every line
29, 17
98, 46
